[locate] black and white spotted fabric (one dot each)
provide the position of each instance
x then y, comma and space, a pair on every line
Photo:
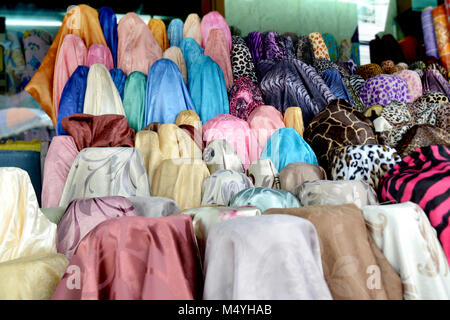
241, 60
322, 65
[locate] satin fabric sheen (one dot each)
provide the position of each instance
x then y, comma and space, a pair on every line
175, 54
191, 28
154, 207
175, 32
296, 173
293, 118
214, 20
134, 100
108, 22
99, 53
264, 121
217, 48
158, 29
168, 272
221, 155
119, 78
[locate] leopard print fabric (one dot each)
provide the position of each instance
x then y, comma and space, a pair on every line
422, 135
434, 97
368, 163
389, 67
368, 71
241, 60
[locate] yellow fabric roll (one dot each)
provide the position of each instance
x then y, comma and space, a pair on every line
34, 145
189, 117
175, 54
192, 29
159, 32
170, 142
81, 20
293, 118
31, 278
373, 110
180, 180
24, 230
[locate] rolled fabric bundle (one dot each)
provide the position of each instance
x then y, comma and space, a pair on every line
292, 248
286, 146
367, 163
265, 198
319, 46
220, 187
175, 54
399, 230
418, 65
119, 78
217, 48
334, 81
332, 46
322, 65
204, 218
72, 97
395, 119
346, 265
221, 155
99, 53
263, 67
274, 48
433, 97
244, 97
442, 35
36, 44
158, 29
72, 53
433, 81
368, 71
83, 215
109, 130
121, 171
255, 43
175, 32
154, 207
401, 66
263, 173
296, 173
137, 48
237, 132
350, 65
166, 93
80, 20
305, 50
214, 20
414, 83
241, 60
293, 36
435, 64
345, 50
355, 56
189, 117
134, 100
26, 231
60, 156
338, 192
192, 28
31, 278
108, 22
293, 118
289, 45
424, 177
180, 180
409, 47
384, 88
373, 112
191, 51
389, 67
101, 95
264, 121
178, 260
429, 33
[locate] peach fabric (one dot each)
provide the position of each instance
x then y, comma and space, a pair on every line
175, 54
217, 48
191, 28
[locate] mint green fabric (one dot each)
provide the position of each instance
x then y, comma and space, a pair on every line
134, 100
54, 214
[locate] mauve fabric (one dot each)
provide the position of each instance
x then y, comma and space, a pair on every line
145, 271
158, 29
274, 48
134, 100
286, 146
166, 93
175, 32
235, 131
83, 215
191, 28
288, 266
429, 34
99, 53
244, 96
71, 54
72, 97
154, 207
349, 254
108, 22
294, 83
175, 54
214, 20
296, 173
109, 130
137, 48
119, 78
433, 81
264, 121
255, 43
60, 156
217, 48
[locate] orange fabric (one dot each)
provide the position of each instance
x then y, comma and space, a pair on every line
81, 20
159, 32
442, 34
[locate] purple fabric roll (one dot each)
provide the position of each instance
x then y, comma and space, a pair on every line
433, 81
263, 67
274, 47
255, 42
384, 88
429, 34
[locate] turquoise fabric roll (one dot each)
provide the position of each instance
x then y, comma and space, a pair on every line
287, 146
134, 100
265, 198
332, 46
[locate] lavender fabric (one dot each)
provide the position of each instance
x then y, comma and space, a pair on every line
384, 88
429, 34
294, 83
263, 67
433, 81
274, 47
255, 42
